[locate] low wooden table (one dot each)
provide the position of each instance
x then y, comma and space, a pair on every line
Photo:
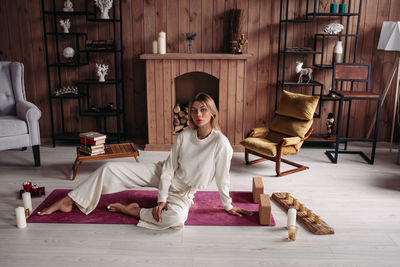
111, 152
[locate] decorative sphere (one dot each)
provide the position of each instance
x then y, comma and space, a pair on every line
68, 52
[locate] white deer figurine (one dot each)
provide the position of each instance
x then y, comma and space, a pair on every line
303, 72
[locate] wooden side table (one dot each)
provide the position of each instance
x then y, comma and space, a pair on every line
111, 152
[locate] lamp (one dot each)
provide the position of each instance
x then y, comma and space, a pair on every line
389, 40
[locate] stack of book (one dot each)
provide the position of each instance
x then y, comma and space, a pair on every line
92, 143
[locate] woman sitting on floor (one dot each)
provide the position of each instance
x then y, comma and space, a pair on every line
199, 155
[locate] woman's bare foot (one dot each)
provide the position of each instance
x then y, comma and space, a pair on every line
64, 205
132, 209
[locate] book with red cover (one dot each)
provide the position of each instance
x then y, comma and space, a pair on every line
92, 142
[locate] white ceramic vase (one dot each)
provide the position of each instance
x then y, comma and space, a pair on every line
104, 14
338, 52
101, 78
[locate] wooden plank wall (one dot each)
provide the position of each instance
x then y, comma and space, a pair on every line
21, 35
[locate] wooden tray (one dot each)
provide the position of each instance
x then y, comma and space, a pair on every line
320, 229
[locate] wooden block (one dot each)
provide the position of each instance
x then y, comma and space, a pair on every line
258, 189
264, 210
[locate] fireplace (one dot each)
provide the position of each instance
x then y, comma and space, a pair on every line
173, 79
186, 87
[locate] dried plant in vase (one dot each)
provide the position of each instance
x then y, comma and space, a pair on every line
102, 71
104, 6
190, 36
65, 24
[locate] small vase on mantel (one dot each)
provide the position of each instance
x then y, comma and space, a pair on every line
190, 47
338, 52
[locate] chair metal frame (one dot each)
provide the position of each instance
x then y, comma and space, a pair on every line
348, 96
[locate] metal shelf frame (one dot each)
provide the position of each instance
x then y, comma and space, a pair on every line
311, 15
50, 17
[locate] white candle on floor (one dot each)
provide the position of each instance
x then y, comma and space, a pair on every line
26, 197
20, 215
155, 51
291, 219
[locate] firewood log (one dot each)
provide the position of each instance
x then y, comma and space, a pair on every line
177, 108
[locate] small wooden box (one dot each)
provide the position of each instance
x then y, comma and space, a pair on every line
258, 189
264, 210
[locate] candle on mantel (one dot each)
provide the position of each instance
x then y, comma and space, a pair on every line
291, 219
26, 197
162, 43
155, 44
20, 217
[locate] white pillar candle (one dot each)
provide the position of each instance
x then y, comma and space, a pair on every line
155, 51
26, 197
162, 43
291, 219
20, 215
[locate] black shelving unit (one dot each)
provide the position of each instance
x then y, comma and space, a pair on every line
86, 11
311, 17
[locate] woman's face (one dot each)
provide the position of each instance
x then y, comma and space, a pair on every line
201, 116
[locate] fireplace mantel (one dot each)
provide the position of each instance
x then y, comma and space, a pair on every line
161, 71
209, 56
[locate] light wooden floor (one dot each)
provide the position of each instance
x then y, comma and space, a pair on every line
360, 201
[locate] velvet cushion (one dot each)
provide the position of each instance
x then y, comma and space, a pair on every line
275, 136
297, 106
268, 148
12, 125
290, 126
7, 101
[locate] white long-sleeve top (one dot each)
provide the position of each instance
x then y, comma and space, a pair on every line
197, 162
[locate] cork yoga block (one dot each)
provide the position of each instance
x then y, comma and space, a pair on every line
258, 189
264, 210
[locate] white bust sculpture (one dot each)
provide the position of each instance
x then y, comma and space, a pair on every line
68, 6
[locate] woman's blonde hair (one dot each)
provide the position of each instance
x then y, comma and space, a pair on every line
212, 108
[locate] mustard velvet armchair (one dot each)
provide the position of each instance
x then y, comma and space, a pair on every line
290, 127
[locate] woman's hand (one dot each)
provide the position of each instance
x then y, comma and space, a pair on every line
156, 211
239, 211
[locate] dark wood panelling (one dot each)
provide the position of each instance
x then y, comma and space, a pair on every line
21, 35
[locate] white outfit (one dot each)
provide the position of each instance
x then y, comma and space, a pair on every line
191, 165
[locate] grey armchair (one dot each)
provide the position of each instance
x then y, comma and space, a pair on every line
19, 119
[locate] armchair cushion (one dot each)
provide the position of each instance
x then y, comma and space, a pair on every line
289, 126
11, 126
7, 99
297, 106
266, 147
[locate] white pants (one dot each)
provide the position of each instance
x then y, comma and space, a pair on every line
114, 177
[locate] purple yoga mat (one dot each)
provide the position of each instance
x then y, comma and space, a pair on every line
206, 210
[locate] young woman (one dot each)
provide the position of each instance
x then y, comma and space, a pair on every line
199, 155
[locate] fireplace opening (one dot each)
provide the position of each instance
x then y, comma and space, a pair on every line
186, 87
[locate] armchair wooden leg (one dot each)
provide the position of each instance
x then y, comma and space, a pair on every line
246, 155
36, 155
278, 166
